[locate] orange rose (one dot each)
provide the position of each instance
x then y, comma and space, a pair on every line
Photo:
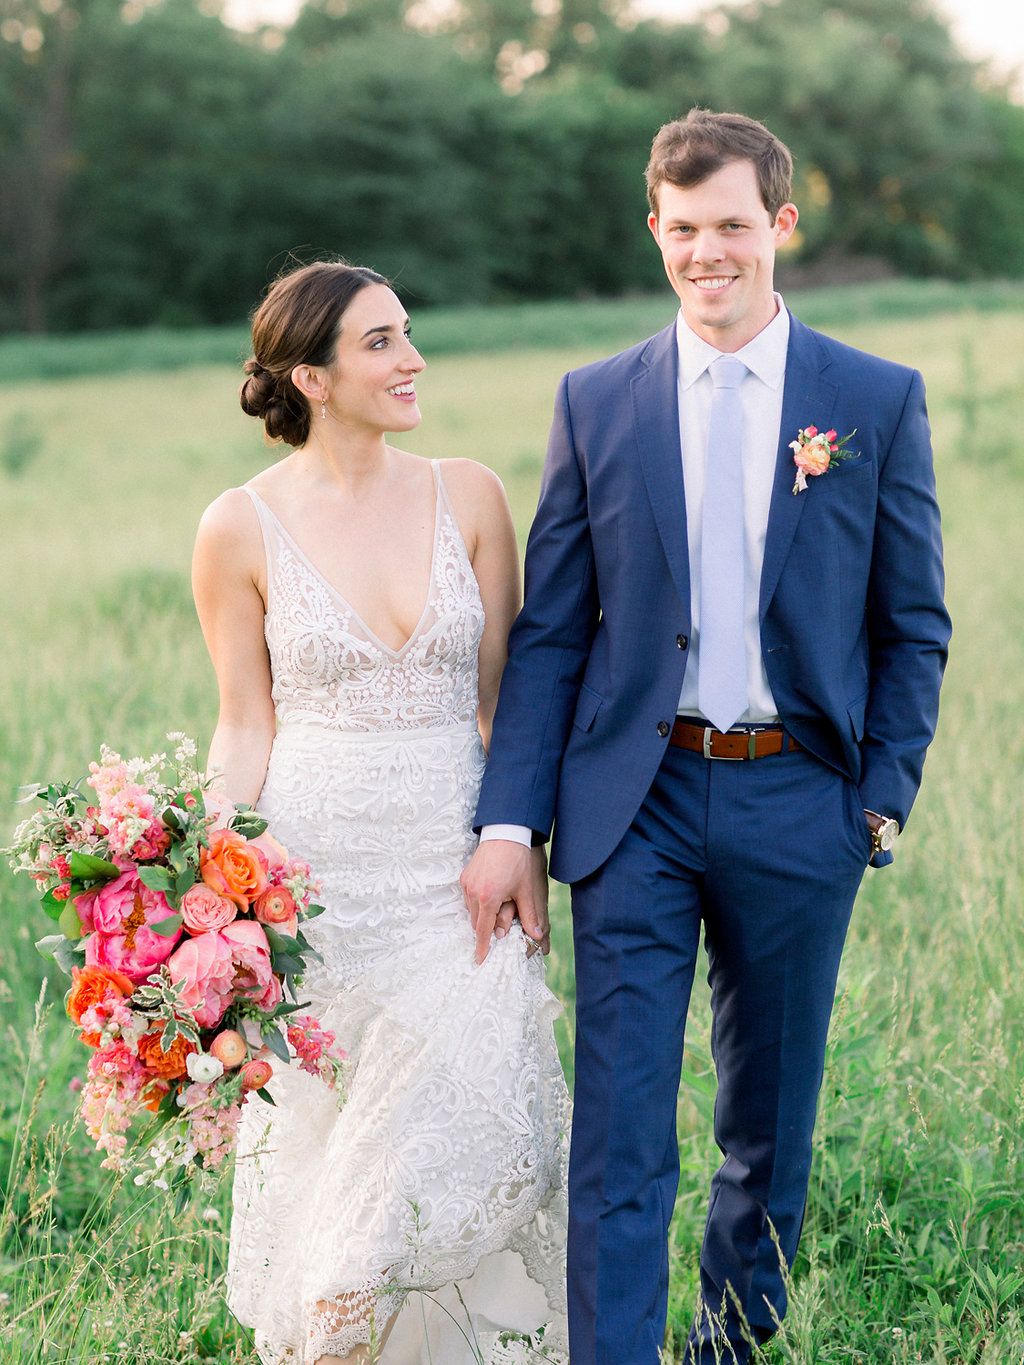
160, 1063
232, 867
92, 986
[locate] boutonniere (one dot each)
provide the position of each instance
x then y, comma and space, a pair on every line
815, 451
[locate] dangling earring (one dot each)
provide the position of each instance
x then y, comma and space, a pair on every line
323, 408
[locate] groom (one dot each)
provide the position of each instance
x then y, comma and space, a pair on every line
720, 690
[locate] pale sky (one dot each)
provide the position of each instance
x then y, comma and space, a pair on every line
984, 29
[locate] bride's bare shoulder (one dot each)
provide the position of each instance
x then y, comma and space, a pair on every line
473, 484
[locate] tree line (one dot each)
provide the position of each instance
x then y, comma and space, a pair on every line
158, 166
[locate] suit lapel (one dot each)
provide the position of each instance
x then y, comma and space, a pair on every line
808, 399
656, 424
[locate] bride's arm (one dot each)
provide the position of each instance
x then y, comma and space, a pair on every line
227, 568
485, 520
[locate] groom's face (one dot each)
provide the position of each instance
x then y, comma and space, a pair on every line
718, 244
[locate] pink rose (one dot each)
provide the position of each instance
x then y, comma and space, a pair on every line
250, 952
119, 914
205, 964
204, 909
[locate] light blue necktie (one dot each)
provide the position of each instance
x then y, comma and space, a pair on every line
722, 675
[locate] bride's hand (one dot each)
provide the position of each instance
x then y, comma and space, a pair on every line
501, 872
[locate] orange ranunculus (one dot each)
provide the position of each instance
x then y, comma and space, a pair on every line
153, 1095
160, 1063
233, 867
92, 986
277, 906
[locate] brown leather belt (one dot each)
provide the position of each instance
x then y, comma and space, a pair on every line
752, 743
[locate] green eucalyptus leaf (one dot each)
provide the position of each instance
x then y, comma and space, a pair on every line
90, 868
184, 880
70, 922
56, 948
274, 1039
166, 928
53, 907
156, 878
280, 943
265, 1094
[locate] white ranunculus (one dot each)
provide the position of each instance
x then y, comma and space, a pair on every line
203, 1068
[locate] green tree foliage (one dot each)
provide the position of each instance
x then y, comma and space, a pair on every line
157, 166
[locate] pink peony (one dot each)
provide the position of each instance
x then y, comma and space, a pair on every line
118, 915
254, 976
205, 964
204, 909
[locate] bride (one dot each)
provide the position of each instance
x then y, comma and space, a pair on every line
355, 601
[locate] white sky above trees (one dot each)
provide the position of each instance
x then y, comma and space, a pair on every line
989, 30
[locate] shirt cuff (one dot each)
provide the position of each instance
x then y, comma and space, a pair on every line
516, 834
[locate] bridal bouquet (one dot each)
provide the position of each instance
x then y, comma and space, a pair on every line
180, 925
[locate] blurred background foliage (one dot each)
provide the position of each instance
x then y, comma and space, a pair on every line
157, 166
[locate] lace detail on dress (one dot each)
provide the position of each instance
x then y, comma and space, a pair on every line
329, 667
440, 1185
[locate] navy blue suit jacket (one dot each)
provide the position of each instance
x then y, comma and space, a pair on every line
853, 627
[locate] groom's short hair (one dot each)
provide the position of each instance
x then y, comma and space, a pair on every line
688, 150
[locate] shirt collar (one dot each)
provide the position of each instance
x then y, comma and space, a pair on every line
764, 356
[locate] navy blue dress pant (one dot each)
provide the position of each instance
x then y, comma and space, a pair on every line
767, 854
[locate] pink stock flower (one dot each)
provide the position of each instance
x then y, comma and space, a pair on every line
205, 964
120, 913
203, 909
153, 843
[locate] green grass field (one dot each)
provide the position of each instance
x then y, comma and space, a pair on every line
913, 1248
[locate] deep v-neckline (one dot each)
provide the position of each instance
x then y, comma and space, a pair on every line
322, 577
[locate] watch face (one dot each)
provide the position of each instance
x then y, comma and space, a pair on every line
886, 835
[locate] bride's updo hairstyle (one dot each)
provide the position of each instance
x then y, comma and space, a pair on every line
296, 324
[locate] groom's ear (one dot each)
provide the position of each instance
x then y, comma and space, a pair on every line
785, 223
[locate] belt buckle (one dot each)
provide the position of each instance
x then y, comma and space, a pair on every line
710, 730
751, 734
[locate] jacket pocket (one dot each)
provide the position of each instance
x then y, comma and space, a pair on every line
856, 711
587, 707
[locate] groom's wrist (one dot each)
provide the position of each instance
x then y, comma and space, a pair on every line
515, 834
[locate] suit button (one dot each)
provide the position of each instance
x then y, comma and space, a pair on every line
663, 728
682, 641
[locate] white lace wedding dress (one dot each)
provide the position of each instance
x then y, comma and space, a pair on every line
439, 1188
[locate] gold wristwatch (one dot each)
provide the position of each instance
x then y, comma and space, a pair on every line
884, 831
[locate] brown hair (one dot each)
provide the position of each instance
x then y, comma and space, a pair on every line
686, 151
296, 324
